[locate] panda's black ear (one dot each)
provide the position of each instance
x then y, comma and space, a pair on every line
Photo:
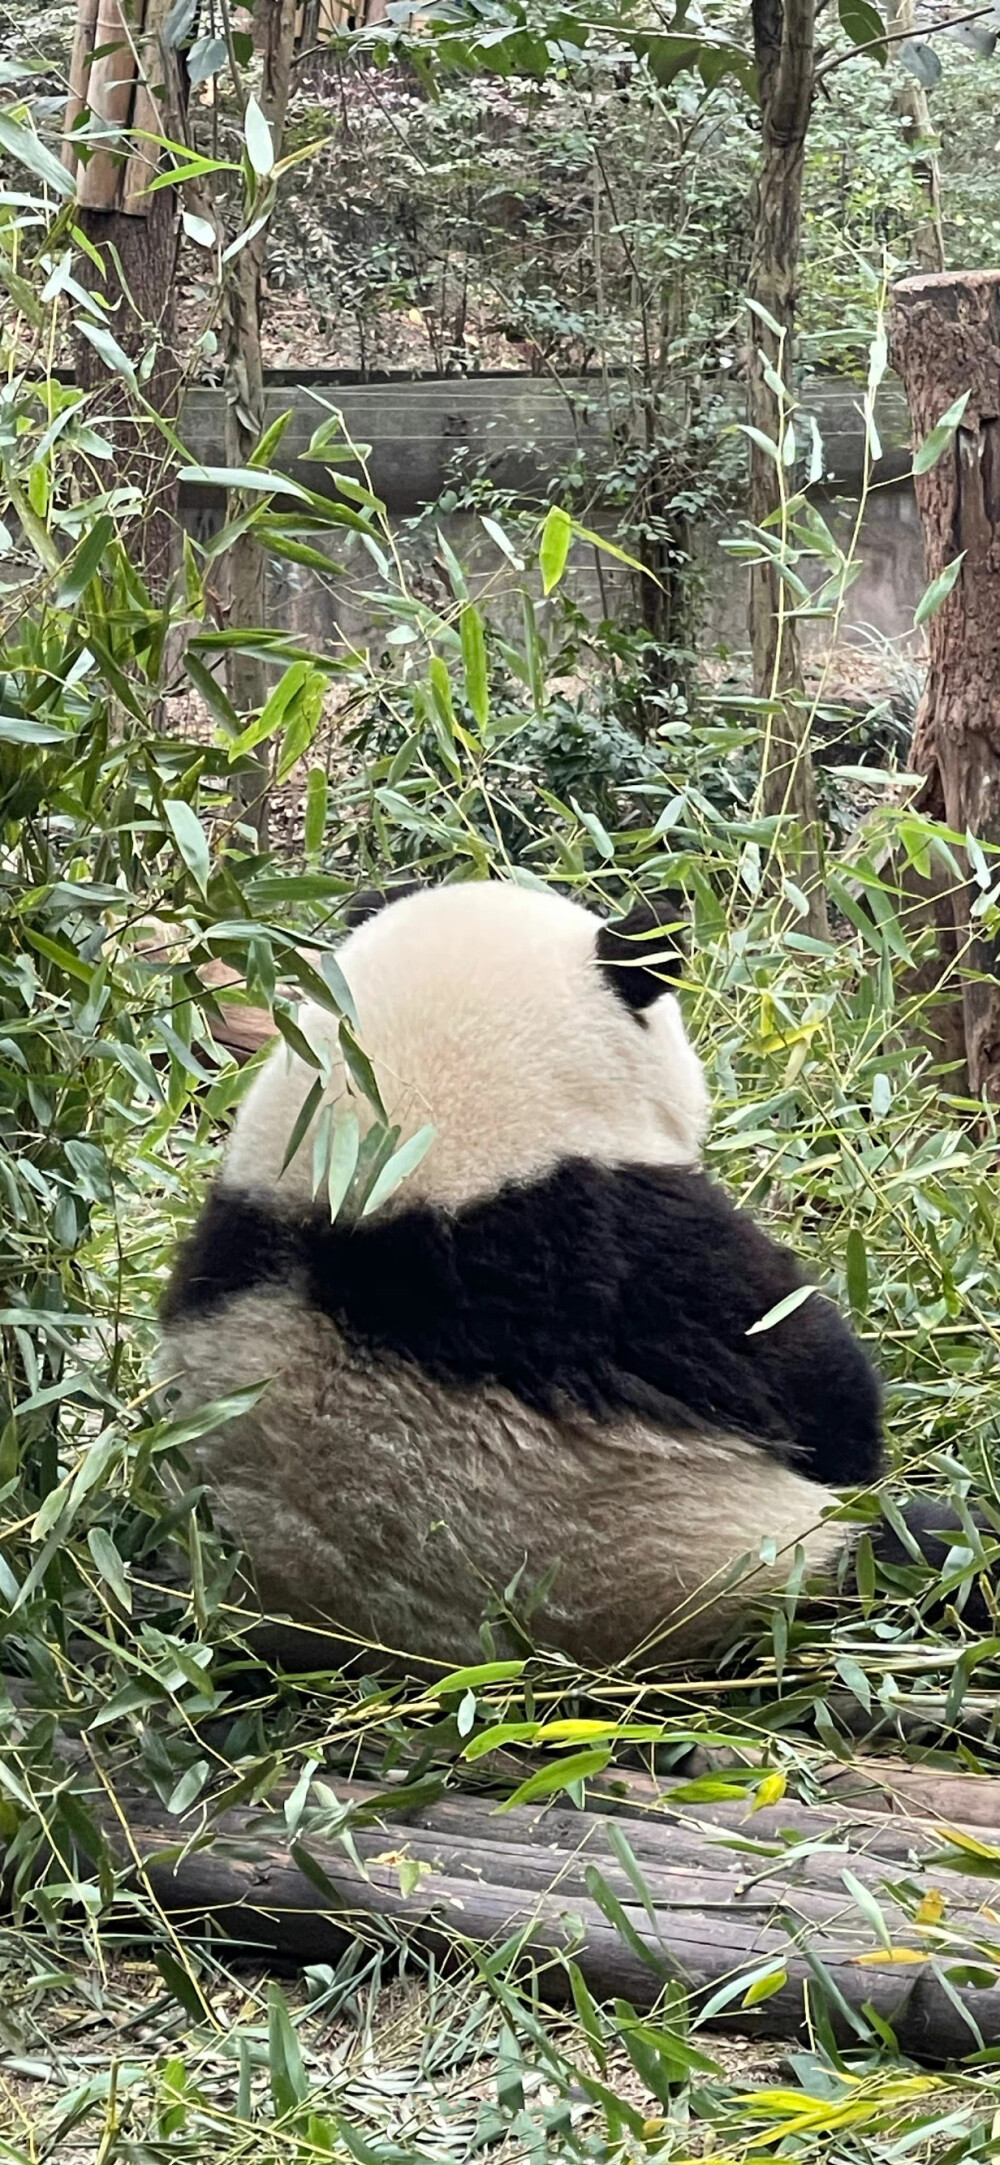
641, 952
370, 900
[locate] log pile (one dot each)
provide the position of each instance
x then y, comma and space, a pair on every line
841, 1898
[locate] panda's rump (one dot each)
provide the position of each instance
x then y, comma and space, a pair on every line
397, 1508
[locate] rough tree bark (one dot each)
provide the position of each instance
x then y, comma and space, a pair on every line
135, 84
784, 49
275, 22
945, 341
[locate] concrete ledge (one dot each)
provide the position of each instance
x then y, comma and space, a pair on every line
518, 430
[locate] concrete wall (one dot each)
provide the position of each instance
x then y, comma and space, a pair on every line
519, 431
882, 599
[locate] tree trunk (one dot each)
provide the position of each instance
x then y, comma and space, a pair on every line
247, 564
914, 111
784, 49
946, 341
134, 84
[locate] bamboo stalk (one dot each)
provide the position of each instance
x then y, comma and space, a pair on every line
84, 40
153, 114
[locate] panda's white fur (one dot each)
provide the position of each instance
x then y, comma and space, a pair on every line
378, 1498
484, 1014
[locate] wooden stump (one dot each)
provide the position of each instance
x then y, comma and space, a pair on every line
945, 342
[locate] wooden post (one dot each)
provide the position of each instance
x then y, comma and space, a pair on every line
946, 341
108, 90
115, 91
247, 678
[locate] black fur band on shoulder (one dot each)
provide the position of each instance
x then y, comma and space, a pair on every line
612, 1291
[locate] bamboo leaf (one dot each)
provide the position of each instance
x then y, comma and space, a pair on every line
577, 1767
317, 796
857, 1272
485, 1672
22, 145
345, 1147
242, 477
940, 436
111, 353
259, 141
938, 591
403, 1162
868, 1906
21, 729
289, 2081
306, 1115
782, 1309
763, 1987
86, 562
553, 549
477, 688
110, 1566
191, 840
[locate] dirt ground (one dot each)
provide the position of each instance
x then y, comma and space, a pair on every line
90, 2053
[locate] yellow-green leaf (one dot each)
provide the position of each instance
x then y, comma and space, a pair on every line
553, 549
477, 687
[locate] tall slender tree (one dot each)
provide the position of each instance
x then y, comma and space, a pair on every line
945, 340
127, 86
784, 33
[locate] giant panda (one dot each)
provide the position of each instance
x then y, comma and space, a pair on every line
535, 1362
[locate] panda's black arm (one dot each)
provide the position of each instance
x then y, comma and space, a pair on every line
700, 1275
936, 1528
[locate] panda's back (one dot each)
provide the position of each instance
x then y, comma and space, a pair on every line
387, 1505
536, 1361
557, 1379
595, 1290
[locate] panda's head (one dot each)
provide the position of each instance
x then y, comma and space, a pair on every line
521, 1027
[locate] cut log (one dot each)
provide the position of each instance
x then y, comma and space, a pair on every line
813, 1898
236, 1026
709, 1894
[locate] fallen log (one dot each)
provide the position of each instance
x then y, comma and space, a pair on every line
869, 1783
791, 1901
237, 1027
